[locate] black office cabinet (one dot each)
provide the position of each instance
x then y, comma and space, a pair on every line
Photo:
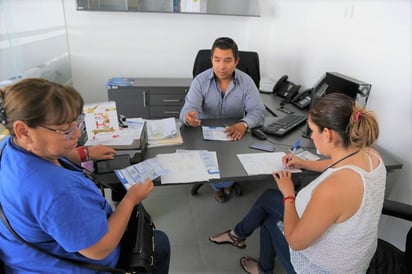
150, 98
131, 101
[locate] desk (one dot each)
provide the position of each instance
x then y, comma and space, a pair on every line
230, 167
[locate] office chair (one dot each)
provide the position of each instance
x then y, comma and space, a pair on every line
388, 258
248, 63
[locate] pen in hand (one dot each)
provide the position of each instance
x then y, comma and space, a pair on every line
295, 147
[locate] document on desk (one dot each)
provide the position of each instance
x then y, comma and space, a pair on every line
263, 163
215, 133
184, 167
138, 173
209, 159
163, 132
161, 129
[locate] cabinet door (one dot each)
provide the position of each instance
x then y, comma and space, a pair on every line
130, 101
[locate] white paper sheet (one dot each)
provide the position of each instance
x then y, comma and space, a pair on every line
209, 159
183, 168
263, 163
215, 133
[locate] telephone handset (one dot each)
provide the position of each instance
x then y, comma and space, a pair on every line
302, 99
285, 88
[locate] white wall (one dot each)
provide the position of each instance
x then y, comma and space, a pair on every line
367, 40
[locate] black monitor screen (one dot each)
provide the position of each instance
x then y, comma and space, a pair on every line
336, 82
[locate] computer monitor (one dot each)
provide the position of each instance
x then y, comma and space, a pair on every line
336, 82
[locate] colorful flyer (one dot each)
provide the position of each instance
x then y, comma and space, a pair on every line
101, 121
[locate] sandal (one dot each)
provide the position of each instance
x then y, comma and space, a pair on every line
249, 265
228, 239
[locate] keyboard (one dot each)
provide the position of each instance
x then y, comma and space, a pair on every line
283, 125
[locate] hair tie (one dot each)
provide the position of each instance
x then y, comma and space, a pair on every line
357, 115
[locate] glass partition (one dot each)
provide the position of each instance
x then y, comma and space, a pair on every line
223, 7
33, 41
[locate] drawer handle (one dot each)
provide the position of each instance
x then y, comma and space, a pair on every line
171, 100
171, 112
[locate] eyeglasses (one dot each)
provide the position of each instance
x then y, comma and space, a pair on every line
68, 133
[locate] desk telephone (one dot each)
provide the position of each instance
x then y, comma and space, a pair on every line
290, 92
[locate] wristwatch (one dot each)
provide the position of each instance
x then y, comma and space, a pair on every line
245, 124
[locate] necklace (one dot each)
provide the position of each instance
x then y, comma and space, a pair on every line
340, 160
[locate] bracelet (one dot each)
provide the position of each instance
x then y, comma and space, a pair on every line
86, 151
82, 153
288, 198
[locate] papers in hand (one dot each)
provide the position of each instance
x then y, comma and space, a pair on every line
215, 133
263, 163
138, 173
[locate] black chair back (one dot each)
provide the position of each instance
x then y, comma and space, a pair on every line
248, 63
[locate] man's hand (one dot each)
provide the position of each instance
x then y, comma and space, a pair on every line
191, 119
236, 131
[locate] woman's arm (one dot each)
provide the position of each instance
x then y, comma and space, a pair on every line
332, 202
118, 221
98, 152
299, 163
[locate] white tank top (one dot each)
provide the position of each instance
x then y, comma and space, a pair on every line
346, 247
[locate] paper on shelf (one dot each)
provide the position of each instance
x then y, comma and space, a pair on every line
263, 163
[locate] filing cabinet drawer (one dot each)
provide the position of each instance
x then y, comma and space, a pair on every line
157, 112
169, 90
167, 99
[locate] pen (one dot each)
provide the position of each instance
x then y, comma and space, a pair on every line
270, 111
295, 147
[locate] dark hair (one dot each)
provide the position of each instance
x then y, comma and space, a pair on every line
355, 125
226, 43
38, 101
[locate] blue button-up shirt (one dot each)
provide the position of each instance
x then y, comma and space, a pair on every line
241, 100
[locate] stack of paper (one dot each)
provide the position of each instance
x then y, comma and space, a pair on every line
128, 138
163, 132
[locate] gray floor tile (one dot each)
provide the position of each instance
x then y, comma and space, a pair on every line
190, 220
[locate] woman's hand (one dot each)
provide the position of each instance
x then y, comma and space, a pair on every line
101, 152
138, 192
284, 181
290, 160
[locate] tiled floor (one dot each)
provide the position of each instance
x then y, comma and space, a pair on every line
190, 220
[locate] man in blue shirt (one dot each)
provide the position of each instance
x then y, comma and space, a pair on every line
224, 92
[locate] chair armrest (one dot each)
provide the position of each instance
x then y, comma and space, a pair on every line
397, 209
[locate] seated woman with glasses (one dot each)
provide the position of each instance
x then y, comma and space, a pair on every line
47, 199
